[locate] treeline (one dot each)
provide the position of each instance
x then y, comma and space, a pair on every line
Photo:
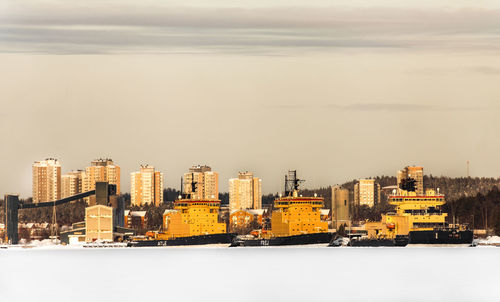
481, 211
66, 214
469, 200
453, 188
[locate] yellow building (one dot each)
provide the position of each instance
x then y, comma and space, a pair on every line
192, 217
297, 215
98, 223
366, 192
46, 180
207, 182
245, 192
413, 212
100, 170
71, 183
146, 186
242, 218
416, 173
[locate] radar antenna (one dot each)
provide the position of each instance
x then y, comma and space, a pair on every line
292, 182
408, 184
193, 184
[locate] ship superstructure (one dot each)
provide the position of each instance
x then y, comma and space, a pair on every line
193, 221
192, 217
412, 213
294, 215
295, 219
418, 219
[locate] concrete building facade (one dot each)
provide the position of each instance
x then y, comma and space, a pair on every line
100, 170
72, 183
340, 207
416, 173
207, 182
366, 192
46, 180
98, 223
245, 192
146, 186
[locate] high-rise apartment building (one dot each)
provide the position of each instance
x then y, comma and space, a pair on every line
416, 173
245, 192
46, 180
146, 186
71, 183
100, 170
207, 182
366, 192
340, 206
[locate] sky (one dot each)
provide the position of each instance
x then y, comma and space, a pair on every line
337, 90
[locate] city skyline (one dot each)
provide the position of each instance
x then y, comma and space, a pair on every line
233, 85
225, 178
293, 133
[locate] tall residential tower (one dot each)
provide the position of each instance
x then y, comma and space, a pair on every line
71, 183
245, 192
366, 192
416, 173
100, 170
207, 182
146, 186
46, 180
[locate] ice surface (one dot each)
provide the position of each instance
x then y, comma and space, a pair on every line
249, 274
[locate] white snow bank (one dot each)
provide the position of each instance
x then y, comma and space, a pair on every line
244, 274
490, 240
44, 242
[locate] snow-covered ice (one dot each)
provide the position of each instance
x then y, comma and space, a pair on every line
249, 274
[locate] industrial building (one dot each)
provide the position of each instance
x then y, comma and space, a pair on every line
340, 207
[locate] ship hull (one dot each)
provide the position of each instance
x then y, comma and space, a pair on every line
191, 240
400, 241
316, 238
441, 237
376, 243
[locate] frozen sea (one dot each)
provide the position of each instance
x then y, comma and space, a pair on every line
250, 274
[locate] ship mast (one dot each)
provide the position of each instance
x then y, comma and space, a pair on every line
292, 183
193, 184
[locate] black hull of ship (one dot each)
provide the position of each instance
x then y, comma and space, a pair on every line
191, 240
441, 237
316, 238
379, 242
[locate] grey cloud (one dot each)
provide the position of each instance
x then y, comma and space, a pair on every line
401, 107
63, 28
389, 107
486, 70
384, 107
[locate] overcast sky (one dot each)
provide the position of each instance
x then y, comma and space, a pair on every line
337, 90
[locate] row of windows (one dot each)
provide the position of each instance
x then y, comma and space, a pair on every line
417, 199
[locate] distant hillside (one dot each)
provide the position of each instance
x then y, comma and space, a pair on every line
453, 188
